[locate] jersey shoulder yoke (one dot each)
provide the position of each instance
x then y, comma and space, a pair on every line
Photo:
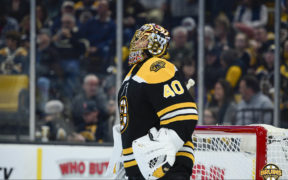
155, 70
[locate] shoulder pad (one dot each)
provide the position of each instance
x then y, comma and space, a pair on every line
155, 70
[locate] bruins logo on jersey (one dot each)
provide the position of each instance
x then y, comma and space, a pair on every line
123, 114
157, 65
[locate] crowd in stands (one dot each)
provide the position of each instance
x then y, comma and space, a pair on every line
239, 72
75, 58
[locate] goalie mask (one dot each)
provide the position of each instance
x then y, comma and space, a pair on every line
150, 39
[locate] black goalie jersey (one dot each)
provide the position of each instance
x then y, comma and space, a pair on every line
152, 95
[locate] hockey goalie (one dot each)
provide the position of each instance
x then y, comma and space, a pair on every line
157, 114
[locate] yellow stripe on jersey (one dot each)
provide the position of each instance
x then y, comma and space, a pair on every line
190, 144
179, 118
159, 172
130, 163
186, 154
176, 106
127, 151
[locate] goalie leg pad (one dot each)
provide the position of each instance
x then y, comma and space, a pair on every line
115, 167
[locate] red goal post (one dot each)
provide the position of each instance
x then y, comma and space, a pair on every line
238, 152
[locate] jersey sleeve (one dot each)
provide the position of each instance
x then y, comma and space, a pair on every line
174, 106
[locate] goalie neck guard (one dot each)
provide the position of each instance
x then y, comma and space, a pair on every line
150, 39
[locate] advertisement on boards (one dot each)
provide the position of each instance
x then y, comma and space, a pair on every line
18, 162
53, 162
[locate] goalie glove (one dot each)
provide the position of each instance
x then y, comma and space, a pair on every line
155, 152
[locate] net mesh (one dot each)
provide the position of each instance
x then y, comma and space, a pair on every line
216, 155
220, 155
277, 149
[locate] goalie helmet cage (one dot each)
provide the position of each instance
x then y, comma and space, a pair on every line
238, 152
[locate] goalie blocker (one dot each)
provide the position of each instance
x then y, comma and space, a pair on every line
153, 94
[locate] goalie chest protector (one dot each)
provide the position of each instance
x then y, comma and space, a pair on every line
152, 95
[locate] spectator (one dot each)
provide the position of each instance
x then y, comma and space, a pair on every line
109, 86
25, 42
190, 25
253, 51
91, 128
222, 32
261, 37
52, 7
72, 48
86, 5
133, 16
6, 24
66, 8
42, 16
213, 69
250, 14
284, 11
223, 103
216, 7
233, 67
13, 58
91, 91
268, 63
155, 16
209, 117
180, 50
209, 38
265, 72
48, 70
25, 25
241, 45
254, 107
84, 17
59, 128
188, 69
18, 9
67, 39
100, 32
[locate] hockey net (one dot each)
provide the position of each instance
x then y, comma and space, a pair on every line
238, 152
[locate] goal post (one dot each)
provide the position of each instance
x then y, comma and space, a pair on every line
238, 152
